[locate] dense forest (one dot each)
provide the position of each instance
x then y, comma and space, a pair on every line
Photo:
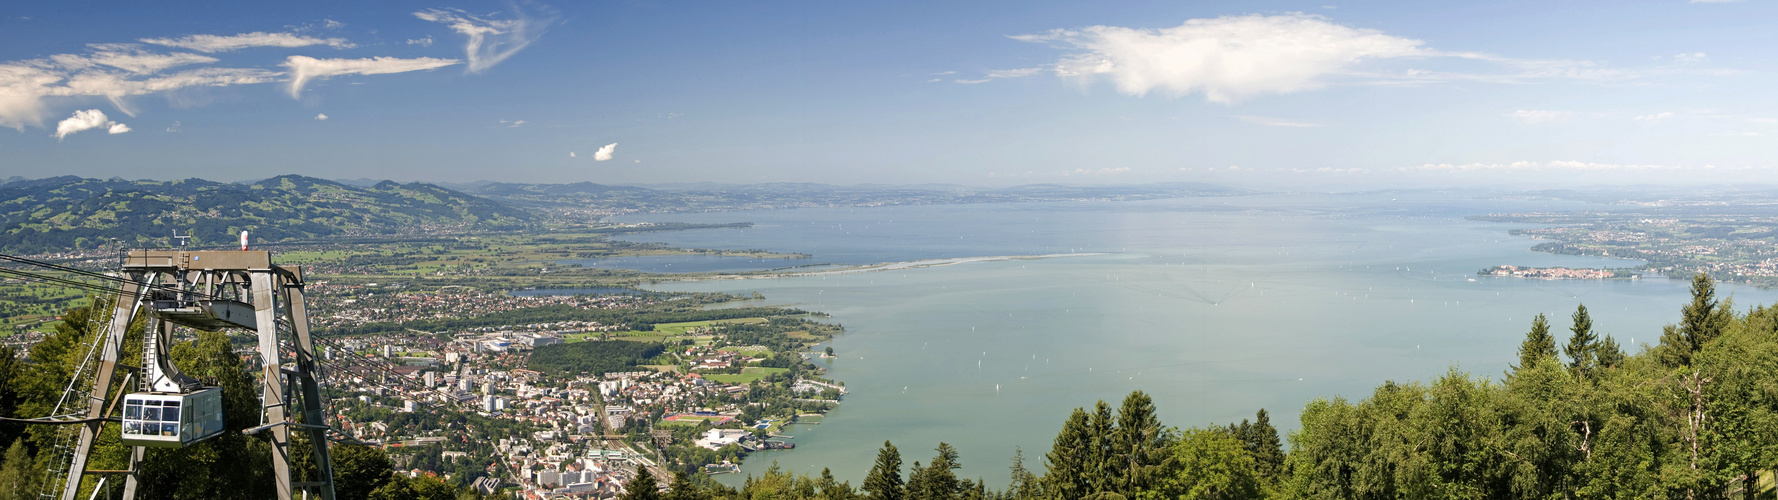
593, 358
1694, 417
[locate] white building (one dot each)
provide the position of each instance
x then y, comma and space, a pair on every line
718, 438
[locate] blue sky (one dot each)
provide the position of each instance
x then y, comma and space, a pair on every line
1524, 94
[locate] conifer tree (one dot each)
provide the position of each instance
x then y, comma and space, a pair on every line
683, 489
1700, 322
1261, 440
938, 480
884, 480
1583, 344
18, 475
1538, 346
1139, 446
1024, 484
642, 487
1101, 467
1607, 354
1066, 464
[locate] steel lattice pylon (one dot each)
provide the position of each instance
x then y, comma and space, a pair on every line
213, 290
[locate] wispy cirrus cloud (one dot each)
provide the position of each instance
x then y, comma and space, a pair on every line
127, 57
490, 41
24, 85
227, 43
118, 71
304, 68
999, 74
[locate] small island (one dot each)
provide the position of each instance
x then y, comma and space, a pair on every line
1558, 273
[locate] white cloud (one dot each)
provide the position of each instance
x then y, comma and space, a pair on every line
973, 82
1693, 57
571, 154
305, 68
87, 119
1274, 122
1226, 58
174, 127
222, 43
490, 41
604, 153
423, 42
333, 25
1536, 117
321, 117
1654, 117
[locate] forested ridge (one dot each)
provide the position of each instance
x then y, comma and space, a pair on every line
66, 212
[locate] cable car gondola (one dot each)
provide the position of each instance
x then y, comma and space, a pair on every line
172, 420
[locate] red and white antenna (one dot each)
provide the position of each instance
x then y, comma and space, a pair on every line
243, 241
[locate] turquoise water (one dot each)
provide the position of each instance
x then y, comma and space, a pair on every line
572, 291
1215, 306
686, 263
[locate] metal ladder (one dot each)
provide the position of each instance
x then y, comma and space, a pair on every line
74, 397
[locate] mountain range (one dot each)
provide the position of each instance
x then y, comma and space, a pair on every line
74, 213
70, 213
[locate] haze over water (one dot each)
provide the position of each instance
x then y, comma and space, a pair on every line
1215, 306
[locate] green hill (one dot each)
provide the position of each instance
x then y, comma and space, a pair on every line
60, 213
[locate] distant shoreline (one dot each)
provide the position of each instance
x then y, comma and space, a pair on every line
887, 266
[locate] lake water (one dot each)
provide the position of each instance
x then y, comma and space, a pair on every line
573, 291
1215, 306
687, 263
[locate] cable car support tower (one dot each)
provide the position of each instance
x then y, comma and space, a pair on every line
207, 290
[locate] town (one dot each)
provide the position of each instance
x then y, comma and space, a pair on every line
566, 408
